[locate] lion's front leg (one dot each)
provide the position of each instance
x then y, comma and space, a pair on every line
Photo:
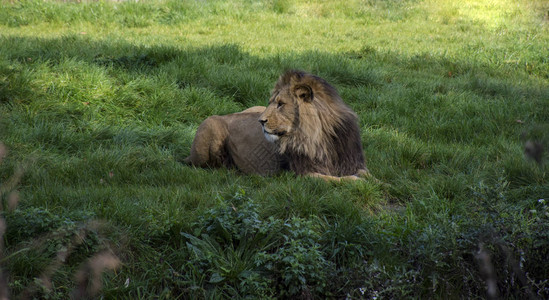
362, 174
334, 178
365, 174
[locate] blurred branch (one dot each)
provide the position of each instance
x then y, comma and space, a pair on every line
88, 277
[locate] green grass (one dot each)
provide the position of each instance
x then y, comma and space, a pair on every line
99, 101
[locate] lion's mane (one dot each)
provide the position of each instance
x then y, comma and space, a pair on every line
324, 135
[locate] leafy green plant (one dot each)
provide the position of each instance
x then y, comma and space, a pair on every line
383, 282
298, 265
226, 243
250, 256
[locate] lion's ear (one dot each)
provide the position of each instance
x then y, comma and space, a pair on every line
304, 93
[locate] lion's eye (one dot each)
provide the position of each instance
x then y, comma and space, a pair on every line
279, 105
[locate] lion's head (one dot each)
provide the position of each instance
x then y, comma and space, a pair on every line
308, 121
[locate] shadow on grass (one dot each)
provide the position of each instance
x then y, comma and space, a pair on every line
479, 102
247, 79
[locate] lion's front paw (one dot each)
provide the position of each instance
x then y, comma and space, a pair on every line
352, 177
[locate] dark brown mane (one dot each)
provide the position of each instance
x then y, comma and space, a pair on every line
338, 149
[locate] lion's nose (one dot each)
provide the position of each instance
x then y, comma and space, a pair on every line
262, 121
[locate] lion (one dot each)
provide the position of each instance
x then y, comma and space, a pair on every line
306, 128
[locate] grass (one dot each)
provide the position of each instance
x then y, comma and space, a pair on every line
99, 101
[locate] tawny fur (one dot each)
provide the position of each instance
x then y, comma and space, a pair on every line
235, 141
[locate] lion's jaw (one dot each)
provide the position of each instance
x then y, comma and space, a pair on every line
270, 137
274, 135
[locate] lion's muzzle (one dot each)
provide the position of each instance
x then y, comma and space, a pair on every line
272, 136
